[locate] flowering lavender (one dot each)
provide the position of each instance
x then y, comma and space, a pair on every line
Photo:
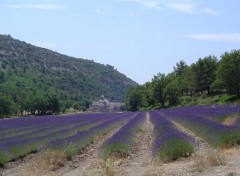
213, 132
214, 112
75, 143
19, 137
169, 143
123, 140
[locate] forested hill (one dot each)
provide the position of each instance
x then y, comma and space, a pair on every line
28, 72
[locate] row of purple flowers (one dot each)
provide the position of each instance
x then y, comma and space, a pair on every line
200, 121
169, 142
19, 138
123, 140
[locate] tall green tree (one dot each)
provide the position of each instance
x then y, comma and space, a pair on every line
134, 98
173, 89
159, 83
180, 71
204, 73
6, 106
228, 72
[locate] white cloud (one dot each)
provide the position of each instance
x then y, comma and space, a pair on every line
211, 11
216, 37
182, 7
145, 3
37, 6
151, 4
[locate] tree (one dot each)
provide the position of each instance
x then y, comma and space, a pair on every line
204, 73
6, 105
53, 103
173, 89
180, 67
180, 72
134, 98
228, 72
159, 83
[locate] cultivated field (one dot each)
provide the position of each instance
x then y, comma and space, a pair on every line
200, 140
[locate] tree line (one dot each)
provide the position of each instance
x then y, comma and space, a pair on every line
207, 77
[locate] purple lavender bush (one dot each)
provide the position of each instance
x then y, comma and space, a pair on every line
213, 132
73, 144
169, 143
21, 136
123, 140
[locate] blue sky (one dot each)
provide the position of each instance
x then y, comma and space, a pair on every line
138, 37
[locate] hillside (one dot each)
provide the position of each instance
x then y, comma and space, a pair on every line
27, 71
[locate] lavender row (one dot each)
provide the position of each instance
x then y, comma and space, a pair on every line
123, 140
75, 143
50, 132
55, 123
16, 148
214, 112
13, 148
19, 124
213, 132
169, 142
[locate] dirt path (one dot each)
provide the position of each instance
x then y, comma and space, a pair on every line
138, 163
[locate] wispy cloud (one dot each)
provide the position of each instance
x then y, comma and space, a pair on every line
153, 4
216, 37
211, 11
182, 7
36, 6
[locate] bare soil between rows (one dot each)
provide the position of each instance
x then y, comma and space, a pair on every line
205, 161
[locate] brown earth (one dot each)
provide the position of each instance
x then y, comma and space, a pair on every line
230, 120
205, 161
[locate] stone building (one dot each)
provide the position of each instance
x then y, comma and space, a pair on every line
103, 105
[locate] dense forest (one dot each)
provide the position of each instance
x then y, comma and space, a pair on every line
37, 80
207, 81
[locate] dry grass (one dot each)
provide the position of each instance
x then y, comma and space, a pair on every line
210, 159
45, 164
108, 164
54, 160
230, 120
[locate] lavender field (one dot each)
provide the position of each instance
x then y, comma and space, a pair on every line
172, 133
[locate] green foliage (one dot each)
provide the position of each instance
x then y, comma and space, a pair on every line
228, 139
204, 73
134, 99
174, 149
227, 98
159, 83
6, 106
39, 80
4, 158
228, 72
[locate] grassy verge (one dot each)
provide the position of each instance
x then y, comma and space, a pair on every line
4, 158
